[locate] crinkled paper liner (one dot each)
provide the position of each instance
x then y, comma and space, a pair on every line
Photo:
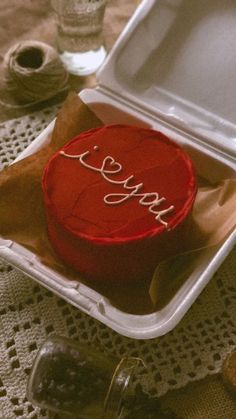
22, 219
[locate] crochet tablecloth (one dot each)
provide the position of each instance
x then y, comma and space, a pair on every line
29, 313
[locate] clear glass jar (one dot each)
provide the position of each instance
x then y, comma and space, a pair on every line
77, 380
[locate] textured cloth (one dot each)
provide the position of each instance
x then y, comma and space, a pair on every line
33, 20
194, 350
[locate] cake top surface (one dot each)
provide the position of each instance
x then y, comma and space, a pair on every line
119, 182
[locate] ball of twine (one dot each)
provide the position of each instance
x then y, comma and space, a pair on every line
33, 72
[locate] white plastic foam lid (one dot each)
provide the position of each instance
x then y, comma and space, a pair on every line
176, 60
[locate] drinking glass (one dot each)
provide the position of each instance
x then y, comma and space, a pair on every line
79, 39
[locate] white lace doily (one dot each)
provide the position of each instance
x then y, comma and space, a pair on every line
29, 313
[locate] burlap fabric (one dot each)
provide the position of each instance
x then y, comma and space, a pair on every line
177, 362
33, 20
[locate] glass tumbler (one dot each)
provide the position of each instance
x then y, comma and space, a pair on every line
80, 34
78, 381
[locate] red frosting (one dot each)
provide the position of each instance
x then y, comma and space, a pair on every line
114, 239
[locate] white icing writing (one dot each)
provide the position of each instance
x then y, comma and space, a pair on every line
110, 167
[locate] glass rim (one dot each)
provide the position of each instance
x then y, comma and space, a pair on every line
66, 7
119, 383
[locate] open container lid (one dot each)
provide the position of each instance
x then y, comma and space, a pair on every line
176, 59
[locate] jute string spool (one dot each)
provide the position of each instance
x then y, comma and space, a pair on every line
33, 72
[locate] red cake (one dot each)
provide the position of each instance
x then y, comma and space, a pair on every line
117, 200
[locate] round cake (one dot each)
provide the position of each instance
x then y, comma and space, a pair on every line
117, 201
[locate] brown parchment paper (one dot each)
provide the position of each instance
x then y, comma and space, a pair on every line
22, 219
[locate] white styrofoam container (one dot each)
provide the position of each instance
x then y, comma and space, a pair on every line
173, 69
